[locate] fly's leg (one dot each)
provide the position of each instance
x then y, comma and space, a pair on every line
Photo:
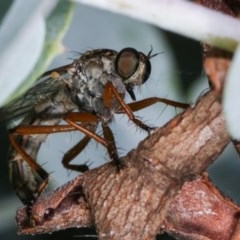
74, 117
136, 106
26, 130
111, 92
40, 178
108, 140
76, 150
72, 153
30, 179
112, 149
41, 129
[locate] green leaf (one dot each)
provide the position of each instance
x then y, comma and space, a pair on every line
18, 54
55, 26
4, 7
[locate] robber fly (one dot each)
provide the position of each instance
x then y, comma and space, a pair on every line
83, 94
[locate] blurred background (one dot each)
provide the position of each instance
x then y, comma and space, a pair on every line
176, 74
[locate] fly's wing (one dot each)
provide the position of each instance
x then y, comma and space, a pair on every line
47, 88
44, 89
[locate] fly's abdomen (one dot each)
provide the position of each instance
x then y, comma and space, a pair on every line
27, 181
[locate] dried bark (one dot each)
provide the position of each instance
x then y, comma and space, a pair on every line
200, 211
217, 61
229, 7
134, 203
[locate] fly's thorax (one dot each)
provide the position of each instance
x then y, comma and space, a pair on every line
93, 71
96, 80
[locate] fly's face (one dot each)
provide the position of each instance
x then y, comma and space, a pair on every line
132, 66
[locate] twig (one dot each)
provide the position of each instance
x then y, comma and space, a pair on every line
134, 203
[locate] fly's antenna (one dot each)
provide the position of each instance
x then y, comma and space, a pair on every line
150, 55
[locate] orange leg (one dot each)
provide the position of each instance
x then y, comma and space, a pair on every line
74, 117
29, 187
39, 177
41, 129
136, 106
42, 173
71, 119
73, 152
76, 150
109, 144
112, 149
108, 139
27, 130
85, 118
27, 184
111, 93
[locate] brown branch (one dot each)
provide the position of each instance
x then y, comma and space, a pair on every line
134, 203
217, 61
200, 211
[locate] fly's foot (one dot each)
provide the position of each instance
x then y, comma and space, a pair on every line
31, 221
149, 129
119, 165
117, 162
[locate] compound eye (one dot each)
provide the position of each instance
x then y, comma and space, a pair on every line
127, 62
147, 71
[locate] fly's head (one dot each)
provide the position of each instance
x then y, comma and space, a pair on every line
133, 67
